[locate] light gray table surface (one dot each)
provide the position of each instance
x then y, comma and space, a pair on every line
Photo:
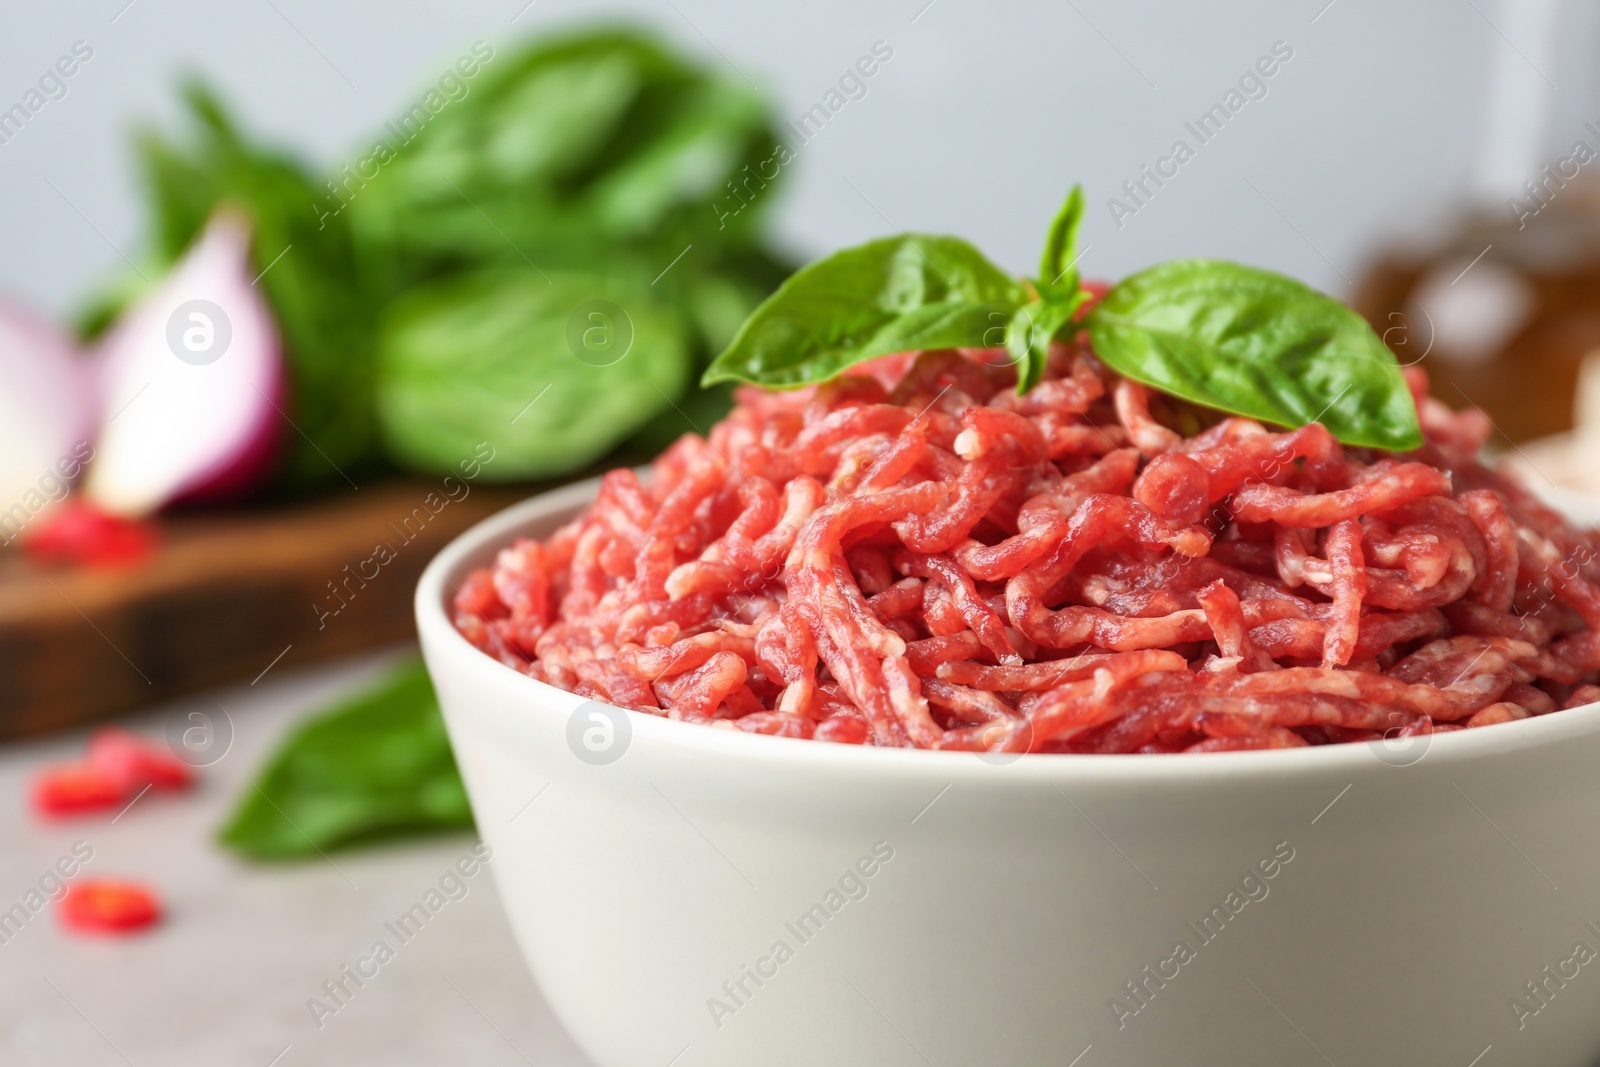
225, 979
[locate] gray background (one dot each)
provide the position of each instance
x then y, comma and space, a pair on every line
986, 114
225, 979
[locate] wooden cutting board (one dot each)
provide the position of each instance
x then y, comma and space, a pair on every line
225, 597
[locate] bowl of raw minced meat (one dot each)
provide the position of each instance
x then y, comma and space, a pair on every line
1074, 693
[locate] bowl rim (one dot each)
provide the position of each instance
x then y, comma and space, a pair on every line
447, 649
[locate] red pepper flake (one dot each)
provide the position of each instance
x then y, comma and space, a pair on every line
75, 789
116, 768
75, 531
133, 763
108, 907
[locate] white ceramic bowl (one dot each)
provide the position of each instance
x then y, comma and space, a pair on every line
1347, 904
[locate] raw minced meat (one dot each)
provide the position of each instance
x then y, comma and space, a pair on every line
913, 555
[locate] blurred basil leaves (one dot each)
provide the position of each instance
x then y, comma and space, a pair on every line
449, 274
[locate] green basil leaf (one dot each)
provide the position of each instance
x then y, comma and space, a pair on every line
567, 151
688, 164
1032, 329
553, 368
896, 294
1061, 243
376, 766
951, 324
1255, 343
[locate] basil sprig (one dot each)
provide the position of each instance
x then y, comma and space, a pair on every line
1059, 295
1239, 339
